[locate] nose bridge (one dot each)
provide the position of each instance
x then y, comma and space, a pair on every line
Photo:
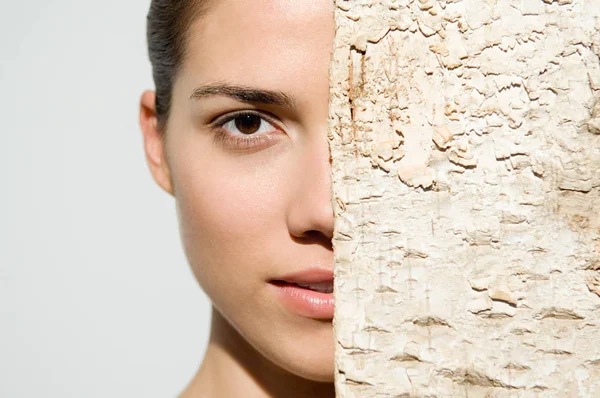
311, 207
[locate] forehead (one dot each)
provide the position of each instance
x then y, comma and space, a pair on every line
267, 43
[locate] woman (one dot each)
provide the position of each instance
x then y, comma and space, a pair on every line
236, 132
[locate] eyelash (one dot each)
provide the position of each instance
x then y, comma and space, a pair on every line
242, 143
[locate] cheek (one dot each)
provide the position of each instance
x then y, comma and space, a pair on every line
227, 204
231, 208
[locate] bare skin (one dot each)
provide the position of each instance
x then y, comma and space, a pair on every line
253, 192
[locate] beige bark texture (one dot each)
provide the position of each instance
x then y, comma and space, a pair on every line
465, 143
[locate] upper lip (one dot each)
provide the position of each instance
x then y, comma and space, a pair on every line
311, 275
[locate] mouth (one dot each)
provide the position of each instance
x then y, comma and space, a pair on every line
322, 287
308, 293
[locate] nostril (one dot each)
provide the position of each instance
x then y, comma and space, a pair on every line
314, 237
312, 234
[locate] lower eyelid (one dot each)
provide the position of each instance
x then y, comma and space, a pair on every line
251, 143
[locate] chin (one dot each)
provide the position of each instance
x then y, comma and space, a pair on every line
309, 355
318, 369
323, 375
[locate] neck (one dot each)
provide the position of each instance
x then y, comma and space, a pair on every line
233, 368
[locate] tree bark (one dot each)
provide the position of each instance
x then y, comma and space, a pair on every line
465, 142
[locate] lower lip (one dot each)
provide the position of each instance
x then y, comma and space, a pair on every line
305, 302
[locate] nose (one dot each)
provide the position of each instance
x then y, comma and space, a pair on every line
310, 215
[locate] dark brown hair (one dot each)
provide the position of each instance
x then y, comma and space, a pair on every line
168, 23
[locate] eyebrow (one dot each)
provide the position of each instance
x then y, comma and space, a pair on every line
245, 94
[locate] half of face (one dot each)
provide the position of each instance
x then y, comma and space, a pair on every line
247, 159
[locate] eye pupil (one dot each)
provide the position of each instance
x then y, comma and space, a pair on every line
248, 124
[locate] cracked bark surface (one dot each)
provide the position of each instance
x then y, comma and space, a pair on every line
465, 141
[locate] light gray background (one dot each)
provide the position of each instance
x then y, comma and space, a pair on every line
96, 298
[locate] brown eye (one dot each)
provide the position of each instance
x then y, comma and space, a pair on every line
245, 131
248, 124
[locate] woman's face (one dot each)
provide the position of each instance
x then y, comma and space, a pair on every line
253, 190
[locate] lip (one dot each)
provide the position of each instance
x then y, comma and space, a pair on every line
305, 302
